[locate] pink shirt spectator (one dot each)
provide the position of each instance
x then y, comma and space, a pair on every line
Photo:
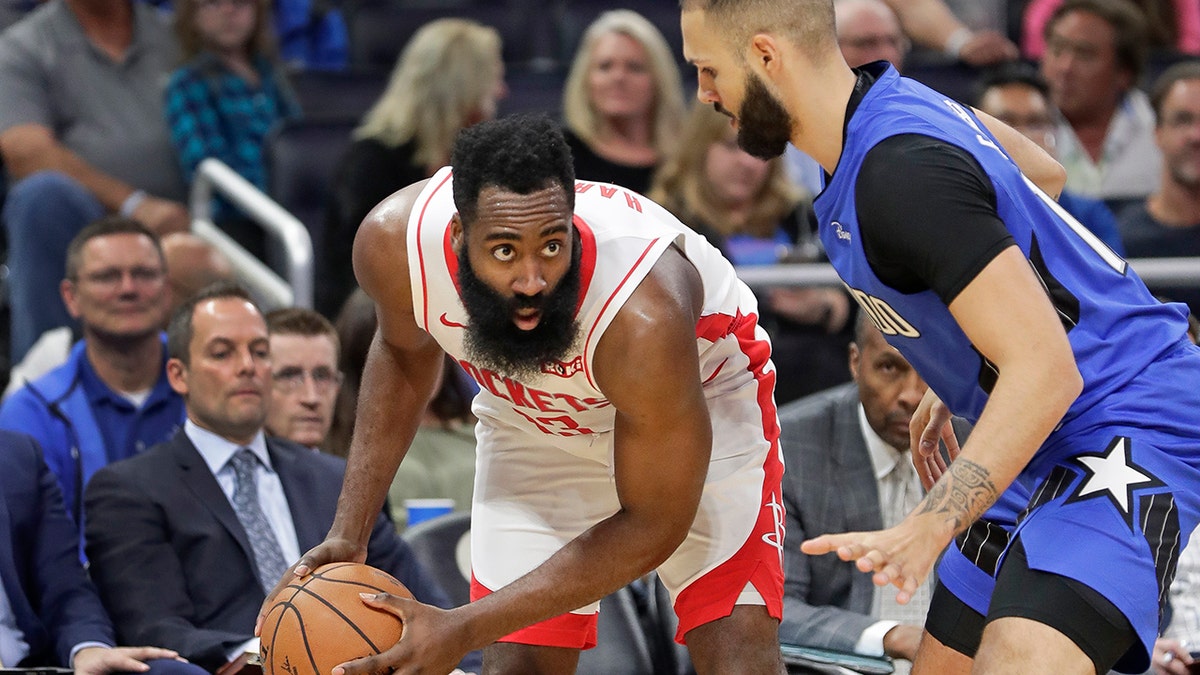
1038, 12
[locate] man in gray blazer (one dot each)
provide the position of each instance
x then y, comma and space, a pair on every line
838, 445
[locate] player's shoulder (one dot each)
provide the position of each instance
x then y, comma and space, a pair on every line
381, 243
390, 217
668, 300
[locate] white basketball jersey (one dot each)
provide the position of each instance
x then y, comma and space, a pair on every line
622, 235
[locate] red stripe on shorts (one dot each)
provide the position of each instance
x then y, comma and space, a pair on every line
574, 631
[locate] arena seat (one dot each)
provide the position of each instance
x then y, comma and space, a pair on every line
330, 95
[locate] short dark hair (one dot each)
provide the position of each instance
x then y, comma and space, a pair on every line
1008, 74
105, 227
303, 322
520, 153
1132, 37
180, 331
810, 24
1184, 70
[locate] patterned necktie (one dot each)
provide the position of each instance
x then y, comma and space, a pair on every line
268, 557
901, 494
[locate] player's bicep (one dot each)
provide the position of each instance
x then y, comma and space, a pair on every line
648, 366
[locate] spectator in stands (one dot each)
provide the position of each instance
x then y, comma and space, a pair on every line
111, 399
1173, 25
82, 135
185, 539
441, 460
449, 76
1096, 50
304, 375
748, 208
227, 97
192, 264
53, 616
854, 436
1018, 96
1167, 224
932, 24
867, 30
623, 101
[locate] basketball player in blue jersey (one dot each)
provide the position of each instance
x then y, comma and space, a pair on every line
1086, 449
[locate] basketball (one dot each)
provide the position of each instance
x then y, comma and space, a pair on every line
319, 621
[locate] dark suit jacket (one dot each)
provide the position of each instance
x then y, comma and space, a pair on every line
55, 605
829, 486
174, 565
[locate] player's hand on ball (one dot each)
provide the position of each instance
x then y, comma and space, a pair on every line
929, 423
329, 551
901, 556
433, 642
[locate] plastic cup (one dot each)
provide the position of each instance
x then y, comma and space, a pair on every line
420, 510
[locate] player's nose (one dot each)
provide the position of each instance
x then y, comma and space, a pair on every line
529, 279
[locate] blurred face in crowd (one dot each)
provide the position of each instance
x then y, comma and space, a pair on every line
867, 30
888, 387
1178, 133
1023, 108
734, 176
118, 292
620, 78
1081, 66
304, 387
225, 384
226, 26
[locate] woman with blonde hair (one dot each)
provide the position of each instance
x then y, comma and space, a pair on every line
623, 101
749, 209
449, 76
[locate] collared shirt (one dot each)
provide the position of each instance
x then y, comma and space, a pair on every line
884, 459
13, 647
1130, 163
217, 452
128, 429
109, 112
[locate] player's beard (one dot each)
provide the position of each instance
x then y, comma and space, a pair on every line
764, 125
494, 341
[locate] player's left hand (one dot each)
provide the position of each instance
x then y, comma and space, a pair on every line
432, 642
902, 555
929, 423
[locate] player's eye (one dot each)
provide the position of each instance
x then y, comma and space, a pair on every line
552, 249
503, 253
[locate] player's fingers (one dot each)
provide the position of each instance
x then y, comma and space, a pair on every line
820, 545
951, 441
368, 665
288, 577
395, 604
908, 587
868, 560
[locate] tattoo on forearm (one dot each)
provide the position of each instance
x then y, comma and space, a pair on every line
962, 495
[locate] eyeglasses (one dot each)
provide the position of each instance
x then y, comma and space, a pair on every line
113, 276
237, 4
289, 380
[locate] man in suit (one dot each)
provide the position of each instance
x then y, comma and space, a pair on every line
305, 378
50, 614
854, 437
183, 538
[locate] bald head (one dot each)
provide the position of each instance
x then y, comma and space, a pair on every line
868, 30
192, 264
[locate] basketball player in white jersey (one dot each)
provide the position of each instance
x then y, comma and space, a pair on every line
626, 414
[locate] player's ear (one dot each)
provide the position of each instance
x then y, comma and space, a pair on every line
764, 51
456, 234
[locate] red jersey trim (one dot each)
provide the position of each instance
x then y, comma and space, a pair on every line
421, 253
591, 331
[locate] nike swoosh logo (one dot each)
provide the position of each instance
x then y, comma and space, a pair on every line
451, 324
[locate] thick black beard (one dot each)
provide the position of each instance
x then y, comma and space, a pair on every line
764, 125
494, 341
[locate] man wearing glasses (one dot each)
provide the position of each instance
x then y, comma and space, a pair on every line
111, 399
305, 376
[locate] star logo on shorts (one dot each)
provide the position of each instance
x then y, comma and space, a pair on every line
1113, 474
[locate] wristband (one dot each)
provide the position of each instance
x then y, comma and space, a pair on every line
957, 40
132, 202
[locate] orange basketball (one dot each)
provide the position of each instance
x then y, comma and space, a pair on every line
320, 621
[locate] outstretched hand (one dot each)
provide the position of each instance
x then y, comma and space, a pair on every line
328, 551
929, 423
432, 642
901, 556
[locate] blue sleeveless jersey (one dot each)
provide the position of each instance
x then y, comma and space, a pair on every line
1115, 326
